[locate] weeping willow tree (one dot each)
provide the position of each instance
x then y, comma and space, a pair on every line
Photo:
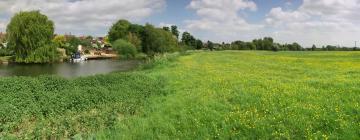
30, 37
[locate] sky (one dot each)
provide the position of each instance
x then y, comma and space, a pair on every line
308, 22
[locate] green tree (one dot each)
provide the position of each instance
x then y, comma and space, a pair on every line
135, 40
30, 37
313, 48
199, 44
268, 43
124, 48
60, 40
175, 31
119, 30
188, 40
158, 41
166, 29
210, 45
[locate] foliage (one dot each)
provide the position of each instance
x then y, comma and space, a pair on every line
199, 44
119, 30
188, 40
125, 48
166, 29
28, 34
148, 39
60, 40
175, 31
50, 107
158, 41
266, 43
49, 54
313, 48
5, 52
210, 45
135, 40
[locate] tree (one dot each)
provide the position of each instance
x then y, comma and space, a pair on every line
158, 41
275, 47
60, 40
210, 45
313, 48
250, 45
119, 30
188, 40
125, 48
30, 35
72, 42
199, 44
135, 40
296, 47
268, 43
175, 31
166, 29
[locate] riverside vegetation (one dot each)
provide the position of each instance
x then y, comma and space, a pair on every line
202, 95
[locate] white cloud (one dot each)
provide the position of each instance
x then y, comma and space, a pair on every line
2, 26
83, 16
221, 17
318, 22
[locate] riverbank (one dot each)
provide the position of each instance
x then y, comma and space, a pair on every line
5, 60
202, 95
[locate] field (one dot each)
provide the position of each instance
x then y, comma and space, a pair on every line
201, 95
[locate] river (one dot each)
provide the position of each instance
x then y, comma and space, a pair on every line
68, 70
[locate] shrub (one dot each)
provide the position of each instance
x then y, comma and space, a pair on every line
125, 48
87, 52
5, 52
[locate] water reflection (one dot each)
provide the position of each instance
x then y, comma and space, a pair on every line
68, 70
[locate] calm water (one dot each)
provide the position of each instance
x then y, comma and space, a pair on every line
69, 70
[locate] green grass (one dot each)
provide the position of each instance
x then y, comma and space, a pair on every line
252, 95
203, 95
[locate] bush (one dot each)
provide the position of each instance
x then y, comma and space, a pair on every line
87, 52
5, 52
124, 48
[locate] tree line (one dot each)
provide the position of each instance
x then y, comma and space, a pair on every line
31, 39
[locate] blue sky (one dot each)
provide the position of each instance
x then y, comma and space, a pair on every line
308, 22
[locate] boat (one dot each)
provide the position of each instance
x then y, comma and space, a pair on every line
78, 58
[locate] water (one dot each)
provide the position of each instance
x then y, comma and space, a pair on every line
68, 70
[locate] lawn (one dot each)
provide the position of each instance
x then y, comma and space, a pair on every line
201, 95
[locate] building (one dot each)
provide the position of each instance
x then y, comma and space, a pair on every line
3, 42
2, 37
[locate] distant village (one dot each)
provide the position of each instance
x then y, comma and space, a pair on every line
76, 48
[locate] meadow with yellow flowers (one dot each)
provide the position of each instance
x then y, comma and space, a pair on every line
252, 95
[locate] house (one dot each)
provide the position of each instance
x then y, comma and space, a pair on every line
2, 37
3, 42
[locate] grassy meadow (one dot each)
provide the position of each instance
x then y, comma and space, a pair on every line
200, 95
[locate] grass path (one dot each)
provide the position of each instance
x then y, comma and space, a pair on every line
252, 95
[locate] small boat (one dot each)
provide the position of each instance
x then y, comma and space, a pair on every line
78, 58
